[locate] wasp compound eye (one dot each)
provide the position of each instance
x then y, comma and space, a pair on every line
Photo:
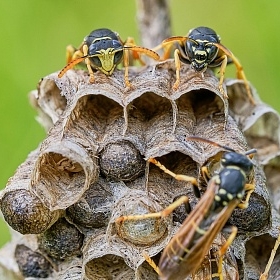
117, 45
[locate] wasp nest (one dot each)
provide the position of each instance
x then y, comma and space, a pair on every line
63, 201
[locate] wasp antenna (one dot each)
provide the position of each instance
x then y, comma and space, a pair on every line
192, 40
70, 65
251, 153
196, 138
146, 51
180, 39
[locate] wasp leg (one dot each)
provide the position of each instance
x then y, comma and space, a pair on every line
222, 252
169, 209
162, 214
72, 53
264, 275
239, 68
87, 61
167, 51
73, 57
167, 48
135, 50
241, 75
70, 50
70, 65
205, 173
126, 64
177, 67
223, 60
137, 57
249, 188
167, 43
143, 50
131, 42
179, 177
150, 262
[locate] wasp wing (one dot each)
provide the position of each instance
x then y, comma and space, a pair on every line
184, 253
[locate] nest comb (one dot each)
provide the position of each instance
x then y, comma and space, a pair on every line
91, 169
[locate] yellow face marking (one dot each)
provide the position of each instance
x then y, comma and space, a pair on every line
106, 58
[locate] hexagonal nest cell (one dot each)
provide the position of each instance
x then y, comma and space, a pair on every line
64, 201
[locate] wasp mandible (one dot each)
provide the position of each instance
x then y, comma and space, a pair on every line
201, 48
103, 50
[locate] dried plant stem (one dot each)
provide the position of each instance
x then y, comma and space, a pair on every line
153, 21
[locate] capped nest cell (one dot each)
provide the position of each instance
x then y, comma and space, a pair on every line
63, 201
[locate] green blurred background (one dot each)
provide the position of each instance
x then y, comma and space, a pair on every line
34, 35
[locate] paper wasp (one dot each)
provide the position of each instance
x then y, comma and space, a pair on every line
225, 191
201, 48
103, 50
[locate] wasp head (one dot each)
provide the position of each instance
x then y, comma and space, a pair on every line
200, 47
105, 53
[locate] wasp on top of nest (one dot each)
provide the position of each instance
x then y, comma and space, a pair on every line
103, 50
201, 48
